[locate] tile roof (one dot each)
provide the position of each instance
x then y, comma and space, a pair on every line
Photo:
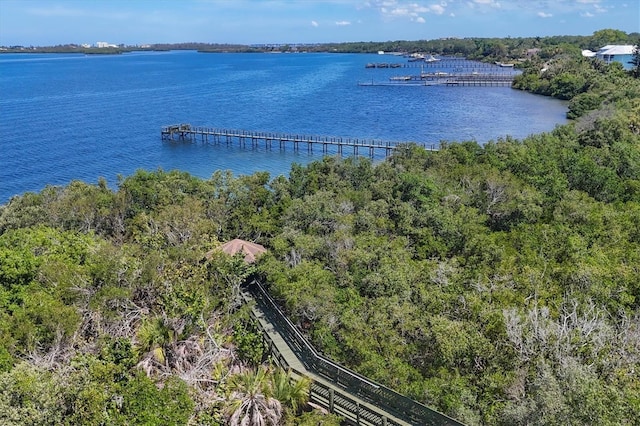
249, 249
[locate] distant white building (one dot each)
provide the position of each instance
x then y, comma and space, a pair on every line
613, 53
104, 44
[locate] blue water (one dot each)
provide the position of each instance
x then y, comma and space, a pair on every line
66, 117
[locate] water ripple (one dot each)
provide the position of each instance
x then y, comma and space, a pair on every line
75, 117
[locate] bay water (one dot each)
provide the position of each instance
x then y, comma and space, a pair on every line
73, 116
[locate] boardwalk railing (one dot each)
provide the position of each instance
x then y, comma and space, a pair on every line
353, 383
186, 132
337, 402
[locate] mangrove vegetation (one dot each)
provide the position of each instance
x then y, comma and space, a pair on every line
499, 284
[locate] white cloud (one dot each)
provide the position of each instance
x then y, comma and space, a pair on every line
314, 24
599, 8
437, 9
417, 10
411, 10
343, 23
492, 3
399, 12
420, 20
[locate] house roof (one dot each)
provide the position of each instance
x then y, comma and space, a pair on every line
616, 49
250, 250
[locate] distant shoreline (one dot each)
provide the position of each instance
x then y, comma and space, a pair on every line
492, 49
95, 51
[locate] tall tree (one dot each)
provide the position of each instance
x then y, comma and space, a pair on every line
607, 36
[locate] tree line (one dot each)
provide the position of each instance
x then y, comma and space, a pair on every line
476, 48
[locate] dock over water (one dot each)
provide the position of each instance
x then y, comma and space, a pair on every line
341, 145
447, 79
445, 72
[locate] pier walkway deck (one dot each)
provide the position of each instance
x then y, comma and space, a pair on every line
337, 389
454, 63
447, 79
186, 132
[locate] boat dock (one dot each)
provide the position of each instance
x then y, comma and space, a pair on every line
448, 79
341, 145
460, 64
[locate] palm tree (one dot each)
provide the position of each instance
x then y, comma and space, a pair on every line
152, 337
251, 402
290, 392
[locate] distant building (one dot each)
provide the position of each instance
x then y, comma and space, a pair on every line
104, 45
613, 53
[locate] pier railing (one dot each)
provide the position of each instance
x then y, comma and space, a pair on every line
186, 132
353, 383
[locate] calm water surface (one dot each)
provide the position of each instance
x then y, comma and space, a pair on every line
68, 117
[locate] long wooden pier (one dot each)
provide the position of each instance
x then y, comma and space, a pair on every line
186, 132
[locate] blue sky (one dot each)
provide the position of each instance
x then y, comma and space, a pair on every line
50, 22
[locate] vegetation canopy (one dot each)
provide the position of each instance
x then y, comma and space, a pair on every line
499, 284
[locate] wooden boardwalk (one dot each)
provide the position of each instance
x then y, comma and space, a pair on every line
186, 132
339, 390
323, 392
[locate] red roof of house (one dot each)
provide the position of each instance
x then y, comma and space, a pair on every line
250, 250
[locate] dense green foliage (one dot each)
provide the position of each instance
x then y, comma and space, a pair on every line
498, 283
589, 84
491, 49
112, 312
